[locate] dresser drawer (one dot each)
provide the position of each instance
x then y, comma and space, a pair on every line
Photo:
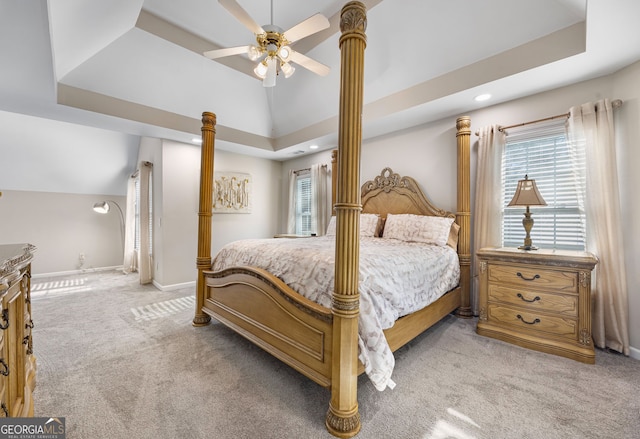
532, 301
534, 277
534, 322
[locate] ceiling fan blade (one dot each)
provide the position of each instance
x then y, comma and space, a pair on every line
241, 15
309, 64
311, 25
219, 53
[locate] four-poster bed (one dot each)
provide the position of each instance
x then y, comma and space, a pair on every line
322, 341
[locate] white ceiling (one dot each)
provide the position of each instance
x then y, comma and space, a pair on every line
136, 66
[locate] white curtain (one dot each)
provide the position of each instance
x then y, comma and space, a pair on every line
487, 226
145, 260
130, 263
319, 199
291, 210
590, 126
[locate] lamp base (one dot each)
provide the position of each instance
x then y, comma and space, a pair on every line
527, 247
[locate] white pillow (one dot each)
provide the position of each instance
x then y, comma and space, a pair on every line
418, 228
368, 225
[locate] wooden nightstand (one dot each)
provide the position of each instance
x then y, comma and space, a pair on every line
538, 300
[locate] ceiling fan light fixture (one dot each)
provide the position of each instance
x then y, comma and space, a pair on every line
287, 69
284, 53
254, 53
261, 69
271, 50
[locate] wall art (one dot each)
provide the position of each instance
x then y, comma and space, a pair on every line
232, 192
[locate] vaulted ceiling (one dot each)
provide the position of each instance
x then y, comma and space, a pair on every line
136, 66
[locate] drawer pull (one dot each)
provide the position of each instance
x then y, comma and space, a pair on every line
537, 276
4, 372
528, 323
527, 300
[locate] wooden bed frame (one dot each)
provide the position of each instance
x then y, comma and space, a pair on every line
319, 342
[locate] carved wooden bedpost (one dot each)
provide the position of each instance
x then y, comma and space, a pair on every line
463, 216
334, 179
343, 418
203, 261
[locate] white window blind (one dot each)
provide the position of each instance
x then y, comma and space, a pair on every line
543, 153
303, 204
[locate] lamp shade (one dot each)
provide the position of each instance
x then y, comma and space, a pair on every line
101, 207
261, 69
527, 194
287, 69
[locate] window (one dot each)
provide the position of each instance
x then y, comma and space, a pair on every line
308, 206
544, 154
304, 220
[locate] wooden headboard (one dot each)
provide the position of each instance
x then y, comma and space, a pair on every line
391, 193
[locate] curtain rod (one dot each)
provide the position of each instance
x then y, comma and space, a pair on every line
614, 104
137, 171
324, 165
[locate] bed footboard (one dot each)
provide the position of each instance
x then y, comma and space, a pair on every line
263, 309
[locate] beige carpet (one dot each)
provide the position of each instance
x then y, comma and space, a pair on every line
120, 360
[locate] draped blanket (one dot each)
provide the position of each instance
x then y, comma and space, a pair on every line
396, 279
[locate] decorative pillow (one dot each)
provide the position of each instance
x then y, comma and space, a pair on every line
368, 225
453, 236
418, 228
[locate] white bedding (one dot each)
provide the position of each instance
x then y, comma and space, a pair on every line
396, 279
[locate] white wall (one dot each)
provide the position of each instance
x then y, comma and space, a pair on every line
262, 222
176, 181
62, 226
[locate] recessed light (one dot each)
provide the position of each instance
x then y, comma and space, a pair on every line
196, 140
313, 147
482, 97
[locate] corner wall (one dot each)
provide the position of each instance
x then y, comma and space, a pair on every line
62, 227
176, 197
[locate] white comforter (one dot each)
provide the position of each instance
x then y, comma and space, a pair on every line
396, 279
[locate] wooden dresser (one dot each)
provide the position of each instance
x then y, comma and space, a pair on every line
17, 362
538, 299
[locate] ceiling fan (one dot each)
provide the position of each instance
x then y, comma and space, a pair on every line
272, 50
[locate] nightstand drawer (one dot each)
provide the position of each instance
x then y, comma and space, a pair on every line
532, 321
534, 277
534, 301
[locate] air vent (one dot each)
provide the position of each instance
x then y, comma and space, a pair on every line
297, 152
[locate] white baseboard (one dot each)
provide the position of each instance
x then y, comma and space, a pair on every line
634, 353
75, 272
174, 286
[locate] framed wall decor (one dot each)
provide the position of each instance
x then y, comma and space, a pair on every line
232, 192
